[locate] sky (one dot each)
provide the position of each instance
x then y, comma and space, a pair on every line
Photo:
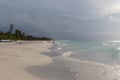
63, 19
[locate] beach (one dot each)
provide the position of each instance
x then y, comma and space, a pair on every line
15, 57
27, 60
43, 60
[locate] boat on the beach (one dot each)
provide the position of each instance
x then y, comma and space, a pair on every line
4, 40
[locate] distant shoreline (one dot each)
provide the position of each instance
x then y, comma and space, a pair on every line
19, 35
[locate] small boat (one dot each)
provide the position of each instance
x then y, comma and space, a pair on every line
4, 40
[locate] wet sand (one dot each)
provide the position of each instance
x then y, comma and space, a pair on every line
52, 71
25, 60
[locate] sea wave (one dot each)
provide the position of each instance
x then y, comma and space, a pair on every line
67, 54
91, 60
86, 70
114, 41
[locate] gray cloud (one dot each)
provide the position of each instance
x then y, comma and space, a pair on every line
63, 19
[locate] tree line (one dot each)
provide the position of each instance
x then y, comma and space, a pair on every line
19, 35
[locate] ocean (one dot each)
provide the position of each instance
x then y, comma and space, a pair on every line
90, 60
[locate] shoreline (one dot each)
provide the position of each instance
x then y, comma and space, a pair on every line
55, 70
25, 60
15, 58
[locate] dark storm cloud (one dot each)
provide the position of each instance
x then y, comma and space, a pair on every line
63, 19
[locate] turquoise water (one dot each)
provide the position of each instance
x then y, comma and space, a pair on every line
104, 52
91, 60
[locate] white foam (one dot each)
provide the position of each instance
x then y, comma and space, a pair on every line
115, 41
118, 48
86, 70
59, 48
67, 54
105, 44
60, 43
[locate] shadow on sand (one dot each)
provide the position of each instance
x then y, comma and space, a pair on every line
52, 71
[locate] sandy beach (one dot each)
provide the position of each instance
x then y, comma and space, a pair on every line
26, 60
15, 57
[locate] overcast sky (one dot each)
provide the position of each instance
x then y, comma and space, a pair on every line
63, 19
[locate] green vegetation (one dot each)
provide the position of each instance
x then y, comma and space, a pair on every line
19, 35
